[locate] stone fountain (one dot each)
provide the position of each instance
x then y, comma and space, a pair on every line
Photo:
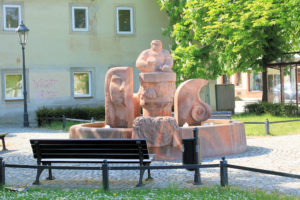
156, 95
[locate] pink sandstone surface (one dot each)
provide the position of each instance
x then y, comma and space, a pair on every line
188, 107
157, 81
155, 59
119, 108
97, 130
158, 131
156, 93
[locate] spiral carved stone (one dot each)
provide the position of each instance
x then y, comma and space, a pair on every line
188, 107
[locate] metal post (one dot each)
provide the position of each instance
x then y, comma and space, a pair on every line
64, 122
297, 95
26, 122
105, 176
267, 123
2, 172
223, 172
197, 178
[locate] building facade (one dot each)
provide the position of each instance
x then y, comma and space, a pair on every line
71, 45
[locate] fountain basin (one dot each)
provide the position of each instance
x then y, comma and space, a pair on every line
97, 130
224, 137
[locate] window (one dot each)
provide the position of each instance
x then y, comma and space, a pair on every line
82, 84
255, 82
238, 79
80, 19
11, 17
13, 86
124, 20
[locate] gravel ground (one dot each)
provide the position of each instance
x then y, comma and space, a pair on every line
281, 153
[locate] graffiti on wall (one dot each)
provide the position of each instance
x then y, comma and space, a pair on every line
45, 88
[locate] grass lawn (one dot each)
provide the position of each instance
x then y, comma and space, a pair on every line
275, 129
57, 125
251, 129
215, 192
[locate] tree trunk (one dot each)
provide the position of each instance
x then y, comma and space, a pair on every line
265, 84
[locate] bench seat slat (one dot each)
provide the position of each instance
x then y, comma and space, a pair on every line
89, 149
95, 160
89, 154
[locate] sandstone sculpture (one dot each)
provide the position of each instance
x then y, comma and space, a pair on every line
155, 59
119, 109
159, 131
157, 89
188, 107
157, 81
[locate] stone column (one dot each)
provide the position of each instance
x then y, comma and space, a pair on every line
156, 93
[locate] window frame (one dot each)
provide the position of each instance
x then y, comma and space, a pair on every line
131, 32
13, 98
251, 83
86, 8
4, 16
90, 84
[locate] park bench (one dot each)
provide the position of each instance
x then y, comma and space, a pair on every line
2, 136
221, 115
48, 151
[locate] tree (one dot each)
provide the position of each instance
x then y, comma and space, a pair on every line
216, 37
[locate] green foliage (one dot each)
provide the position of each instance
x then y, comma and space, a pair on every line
212, 38
275, 109
42, 114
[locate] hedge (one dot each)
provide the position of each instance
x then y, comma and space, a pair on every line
276, 109
42, 114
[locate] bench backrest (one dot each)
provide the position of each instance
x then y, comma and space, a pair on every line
221, 115
89, 148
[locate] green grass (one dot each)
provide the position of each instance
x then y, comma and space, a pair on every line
57, 125
215, 192
251, 129
275, 129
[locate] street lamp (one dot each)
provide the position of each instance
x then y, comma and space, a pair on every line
22, 31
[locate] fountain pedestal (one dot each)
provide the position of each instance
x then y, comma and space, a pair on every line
156, 93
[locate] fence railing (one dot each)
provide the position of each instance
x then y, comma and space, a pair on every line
64, 120
267, 124
105, 168
215, 115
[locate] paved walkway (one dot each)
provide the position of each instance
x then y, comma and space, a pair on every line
280, 153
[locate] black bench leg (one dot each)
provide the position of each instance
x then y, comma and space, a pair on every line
50, 177
149, 174
38, 174
3, 144
141, 178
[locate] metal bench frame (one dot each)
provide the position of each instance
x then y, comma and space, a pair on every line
45, 157
2, 136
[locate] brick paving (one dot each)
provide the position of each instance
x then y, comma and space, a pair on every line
281, 153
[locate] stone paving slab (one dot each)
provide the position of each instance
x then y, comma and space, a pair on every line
281, 153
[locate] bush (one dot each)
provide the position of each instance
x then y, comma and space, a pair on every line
42, 114
275, 109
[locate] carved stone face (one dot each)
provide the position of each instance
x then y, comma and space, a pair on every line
156, 45
116, 90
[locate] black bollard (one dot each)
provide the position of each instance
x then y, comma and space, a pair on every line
105, 176
197, 178
267, 123
223, 172
63, 122
2, 172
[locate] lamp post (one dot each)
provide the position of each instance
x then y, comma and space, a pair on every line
22, 31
